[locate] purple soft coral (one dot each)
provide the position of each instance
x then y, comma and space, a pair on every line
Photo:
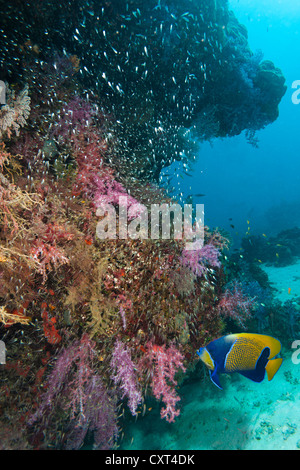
75, 117
73, 386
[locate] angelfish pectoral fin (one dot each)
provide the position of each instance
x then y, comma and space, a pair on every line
215, 378
273, 366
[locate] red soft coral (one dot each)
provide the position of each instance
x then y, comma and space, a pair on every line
47, 257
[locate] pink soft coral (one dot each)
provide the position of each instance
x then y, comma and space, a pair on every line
96, 180
167, 361
234, 304
199, 260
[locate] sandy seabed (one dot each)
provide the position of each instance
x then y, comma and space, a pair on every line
244, 415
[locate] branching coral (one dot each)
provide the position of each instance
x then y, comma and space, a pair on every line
14, 114
9, 319
14, 201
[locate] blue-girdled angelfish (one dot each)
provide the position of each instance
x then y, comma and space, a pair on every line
249, 354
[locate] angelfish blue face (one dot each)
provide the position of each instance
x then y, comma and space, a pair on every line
199, 352
206, 358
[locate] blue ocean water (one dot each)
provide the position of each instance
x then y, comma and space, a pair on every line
243, 183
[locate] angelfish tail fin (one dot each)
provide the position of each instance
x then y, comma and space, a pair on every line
273, 366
